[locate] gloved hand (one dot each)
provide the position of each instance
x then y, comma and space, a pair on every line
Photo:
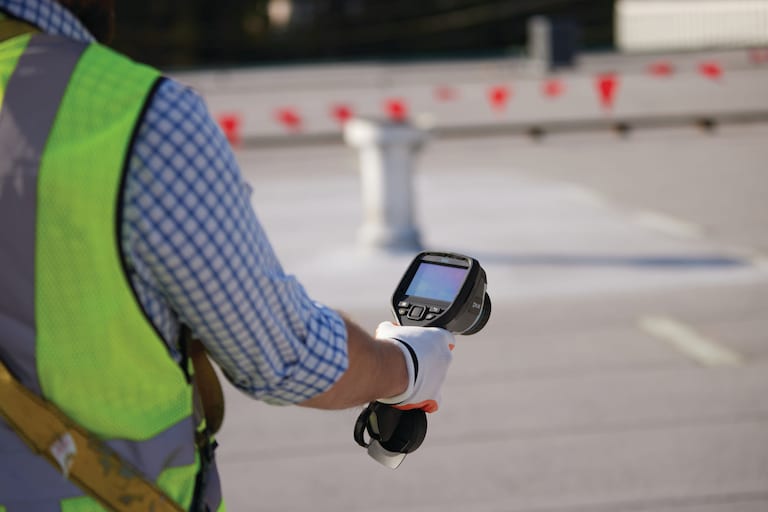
427, 352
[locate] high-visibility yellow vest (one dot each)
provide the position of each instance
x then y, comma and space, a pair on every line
71, 327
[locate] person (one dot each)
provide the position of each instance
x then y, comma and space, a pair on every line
125, 222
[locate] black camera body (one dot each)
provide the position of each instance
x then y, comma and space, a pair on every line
443, 290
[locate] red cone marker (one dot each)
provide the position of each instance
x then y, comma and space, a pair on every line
289, 118
553, 88
711, 70
230, 124
342, 113
499, 96
396, 109
607, 84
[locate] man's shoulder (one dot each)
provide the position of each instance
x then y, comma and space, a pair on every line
174, 90
176, 101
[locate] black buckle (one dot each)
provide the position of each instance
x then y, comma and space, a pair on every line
206, 449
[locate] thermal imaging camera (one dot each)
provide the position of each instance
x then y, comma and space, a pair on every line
443, 290
439, 289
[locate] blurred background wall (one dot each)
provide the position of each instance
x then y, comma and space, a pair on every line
202, 33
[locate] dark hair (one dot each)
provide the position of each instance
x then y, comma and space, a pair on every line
98, 16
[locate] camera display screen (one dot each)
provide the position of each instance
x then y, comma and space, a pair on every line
439, 282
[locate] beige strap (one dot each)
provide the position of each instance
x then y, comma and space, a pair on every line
10, 28
208, 386
80, 456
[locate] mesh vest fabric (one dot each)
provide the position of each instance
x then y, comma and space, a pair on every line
96, 355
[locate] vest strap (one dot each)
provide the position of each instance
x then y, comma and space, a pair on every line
83, 459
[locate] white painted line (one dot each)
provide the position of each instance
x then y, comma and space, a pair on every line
759, 261
588, 197
582, 194
668, 224
686, 340
753, 256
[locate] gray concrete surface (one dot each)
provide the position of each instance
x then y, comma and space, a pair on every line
564, 403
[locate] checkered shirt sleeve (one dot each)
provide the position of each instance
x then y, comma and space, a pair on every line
198, 255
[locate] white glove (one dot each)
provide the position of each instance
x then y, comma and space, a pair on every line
427, 352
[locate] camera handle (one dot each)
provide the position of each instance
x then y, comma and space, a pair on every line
393, 432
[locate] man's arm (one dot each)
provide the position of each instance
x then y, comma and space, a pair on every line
199, 254
377, 369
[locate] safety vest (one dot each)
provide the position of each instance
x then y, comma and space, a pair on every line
71, 328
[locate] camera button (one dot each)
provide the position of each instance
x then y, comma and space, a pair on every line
416, 312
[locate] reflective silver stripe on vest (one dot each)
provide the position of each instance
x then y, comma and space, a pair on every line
32, 97
31, 101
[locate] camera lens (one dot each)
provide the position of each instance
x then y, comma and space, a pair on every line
482, 319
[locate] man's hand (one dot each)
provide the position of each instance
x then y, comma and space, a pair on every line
427, 351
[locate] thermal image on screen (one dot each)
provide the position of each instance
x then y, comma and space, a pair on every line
437, 282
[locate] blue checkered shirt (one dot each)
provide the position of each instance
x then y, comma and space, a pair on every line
197, 254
